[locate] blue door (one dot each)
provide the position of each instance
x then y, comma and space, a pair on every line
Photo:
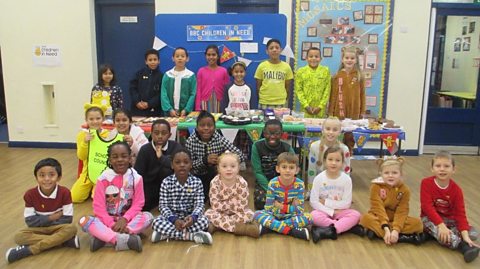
453, 114
125, 30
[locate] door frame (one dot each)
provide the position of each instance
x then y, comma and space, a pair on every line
457, 9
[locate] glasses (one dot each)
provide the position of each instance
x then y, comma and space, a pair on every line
277, 133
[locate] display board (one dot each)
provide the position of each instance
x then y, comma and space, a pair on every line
239, 36
331, 25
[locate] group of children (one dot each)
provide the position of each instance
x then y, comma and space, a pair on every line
207, 170
128, 175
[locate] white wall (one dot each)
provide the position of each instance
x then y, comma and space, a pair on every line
407, 67
185, 6
68, 24
464, 77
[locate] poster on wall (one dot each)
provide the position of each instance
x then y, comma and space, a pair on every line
335, 24
46, 55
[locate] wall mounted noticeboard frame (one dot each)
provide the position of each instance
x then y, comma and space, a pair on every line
360, 23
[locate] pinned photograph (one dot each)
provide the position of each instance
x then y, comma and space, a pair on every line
316, 45
367, 74
349, 29
327, 51
329, 39
358, 15
344, 20
355, 40
466, 43
305, 5
306, 45
378, 10
372, 38
368, 19
337, 30
471, 27
457, 45
378, 19
369, 9
312, 31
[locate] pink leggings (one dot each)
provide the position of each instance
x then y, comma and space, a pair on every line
96, 228
343, 221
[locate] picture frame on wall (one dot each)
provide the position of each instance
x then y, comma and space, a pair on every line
304, 55
306, 45
372, 38
371, 60
378, 19
466, 43
312, 31
368, 19
358, 15
315, 45
464, 30
471, 27
327, 51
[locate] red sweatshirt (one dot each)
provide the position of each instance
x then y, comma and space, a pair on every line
437, 203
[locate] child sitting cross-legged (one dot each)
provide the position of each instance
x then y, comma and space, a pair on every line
48, 214
284, 206
181, 205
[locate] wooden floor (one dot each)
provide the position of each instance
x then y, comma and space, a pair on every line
229, 251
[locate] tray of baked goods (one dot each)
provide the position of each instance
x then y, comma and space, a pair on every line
148, 120
383, 124
236, 120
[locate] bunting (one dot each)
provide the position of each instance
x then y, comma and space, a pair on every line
227, 54
390, 141
360, 140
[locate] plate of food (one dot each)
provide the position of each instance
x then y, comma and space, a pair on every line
392, 127
236, 120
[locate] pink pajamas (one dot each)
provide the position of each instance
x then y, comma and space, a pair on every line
95, 227
343, 221
229, 204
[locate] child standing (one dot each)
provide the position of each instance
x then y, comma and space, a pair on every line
238, 93
90, 142
145, 87
181, 205
388, 215
331, 197
117, 204
48, 214
347, 99
274, 78
106, 92
211, 82
178, 87
154, 161
284, 207
264, 159
205, 145
312, 85
132, 134
443, 209
229, 199
331, 130
238, 97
